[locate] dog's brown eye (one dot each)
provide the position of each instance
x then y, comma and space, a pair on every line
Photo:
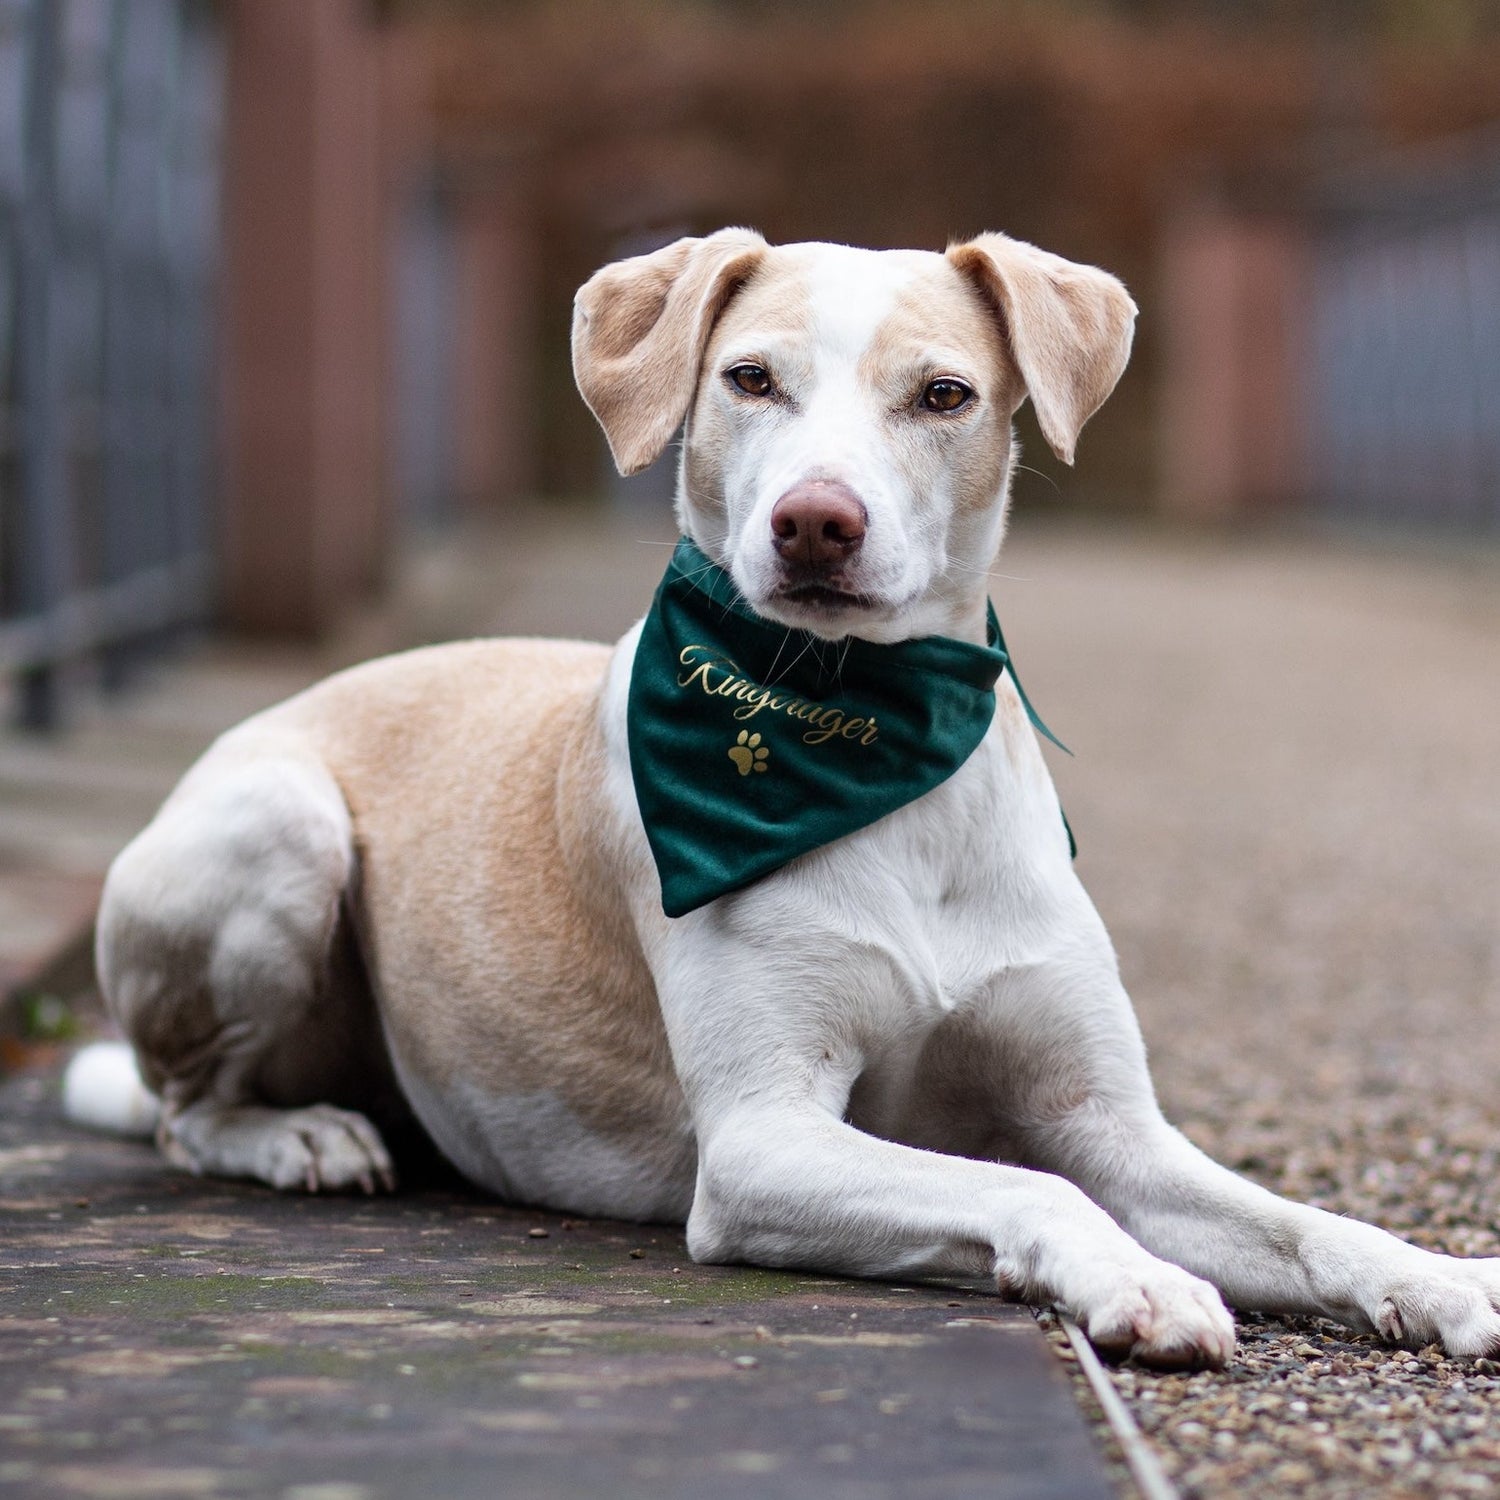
753, 380
946, 395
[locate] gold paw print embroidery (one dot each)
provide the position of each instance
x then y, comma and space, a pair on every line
748, 753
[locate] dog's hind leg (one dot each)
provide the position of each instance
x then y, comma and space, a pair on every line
223, 952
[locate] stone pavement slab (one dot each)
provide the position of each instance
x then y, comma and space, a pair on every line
163, 1335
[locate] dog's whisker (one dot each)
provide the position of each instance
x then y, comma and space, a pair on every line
953, 566
838, 672
1026, 468
771, 672
810, 642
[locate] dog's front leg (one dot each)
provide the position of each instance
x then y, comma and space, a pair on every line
1261, 1251
801, 1188
1272, 1255
784, 1180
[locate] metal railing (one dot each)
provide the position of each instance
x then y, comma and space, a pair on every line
110, 115
1406, 341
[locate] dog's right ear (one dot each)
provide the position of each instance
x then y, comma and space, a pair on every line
639, 330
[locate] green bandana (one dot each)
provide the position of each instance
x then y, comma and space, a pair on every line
751, 743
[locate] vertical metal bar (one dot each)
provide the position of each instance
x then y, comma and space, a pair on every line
176, 403
13, 58
196, 147
149, 59
115, 514
45, 522
82, 180
1482, 248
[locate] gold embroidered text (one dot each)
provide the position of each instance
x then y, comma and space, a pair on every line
720, 676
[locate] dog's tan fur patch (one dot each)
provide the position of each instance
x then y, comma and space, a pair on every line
471, 939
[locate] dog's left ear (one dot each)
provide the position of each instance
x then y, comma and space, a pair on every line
1068, 327
639, 330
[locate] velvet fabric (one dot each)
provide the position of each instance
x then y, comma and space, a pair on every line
751, 743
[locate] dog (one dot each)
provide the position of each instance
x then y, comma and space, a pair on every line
438, 883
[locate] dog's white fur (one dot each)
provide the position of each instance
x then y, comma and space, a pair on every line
907, 1052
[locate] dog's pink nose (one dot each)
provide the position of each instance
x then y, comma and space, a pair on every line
818, 522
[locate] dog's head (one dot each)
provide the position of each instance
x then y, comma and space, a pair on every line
848, 447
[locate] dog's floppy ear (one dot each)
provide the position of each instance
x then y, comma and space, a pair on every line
639, 330
1068, 326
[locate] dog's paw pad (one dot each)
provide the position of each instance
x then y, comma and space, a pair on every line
748, 754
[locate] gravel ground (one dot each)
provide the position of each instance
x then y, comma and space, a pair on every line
1287, 796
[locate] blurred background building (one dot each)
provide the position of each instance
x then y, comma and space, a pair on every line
284, 283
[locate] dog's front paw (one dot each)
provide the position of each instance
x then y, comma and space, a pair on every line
1158, 1315
1448, 1301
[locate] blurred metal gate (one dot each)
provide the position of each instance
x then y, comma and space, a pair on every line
1406, 341
110, 116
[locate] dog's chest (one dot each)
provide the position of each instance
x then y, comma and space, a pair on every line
951, 890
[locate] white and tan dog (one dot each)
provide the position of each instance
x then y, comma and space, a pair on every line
906, 1052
